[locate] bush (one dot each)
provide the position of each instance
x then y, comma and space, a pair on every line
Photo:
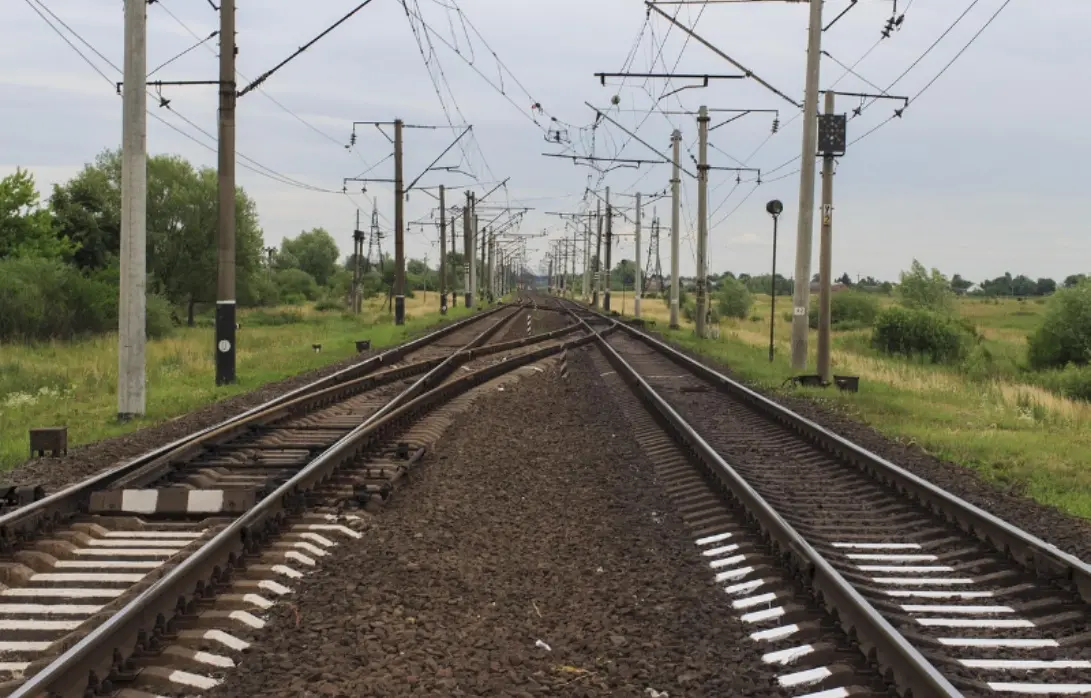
1064, 336
689, 312
264, 318
849, 310
157, 319
47, 299
328, 304
296, 283
1072, 382
261, 292
923, 333
919, 289
733, 298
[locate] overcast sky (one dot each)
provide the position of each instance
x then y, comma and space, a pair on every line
982, 175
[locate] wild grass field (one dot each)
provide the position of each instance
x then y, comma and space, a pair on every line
988, 414
74, 383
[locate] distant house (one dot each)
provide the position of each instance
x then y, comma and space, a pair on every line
815, 287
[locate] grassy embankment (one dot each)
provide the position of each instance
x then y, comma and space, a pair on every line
75, 383
993, 419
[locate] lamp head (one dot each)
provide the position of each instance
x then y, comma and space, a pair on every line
774, 207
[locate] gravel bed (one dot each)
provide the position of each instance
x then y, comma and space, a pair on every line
87, 459
1069, 533
535, 520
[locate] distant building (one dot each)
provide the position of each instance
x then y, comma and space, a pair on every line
815, 288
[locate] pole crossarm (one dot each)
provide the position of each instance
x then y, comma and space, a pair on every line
265, 76
721, 54
637, 138
440, 156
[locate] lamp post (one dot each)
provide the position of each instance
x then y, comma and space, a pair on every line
774, 208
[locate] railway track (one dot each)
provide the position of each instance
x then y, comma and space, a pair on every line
803, 528
147, 578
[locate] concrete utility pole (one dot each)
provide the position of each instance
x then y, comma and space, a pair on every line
357, 275
454, 272
801, 296
587, 260
608, 270
598, 256
575, 234
473, 253
676, 179
225, 281
442, 251
825, 259
492, 274
636, 279
399, 228
702, 220
484, 285
467, 251
132, 333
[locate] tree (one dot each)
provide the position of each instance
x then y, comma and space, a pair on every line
313, 251
921, 290
733, 298
26, 228
1074, 280
959, 284
1065, 333
1045, 287
845, 279
624, 273
181, 228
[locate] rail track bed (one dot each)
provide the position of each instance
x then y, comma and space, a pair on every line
973, 614
84, 558
529, 521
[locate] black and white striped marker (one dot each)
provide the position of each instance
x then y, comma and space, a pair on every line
564, 365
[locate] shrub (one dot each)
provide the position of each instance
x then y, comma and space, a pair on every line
265, 318
916, 332
733, 298
689, 312
296, 283
849, 310
1072, 381
1064, 337
47, 299
919, 289
157, 317
261, 292
328, 304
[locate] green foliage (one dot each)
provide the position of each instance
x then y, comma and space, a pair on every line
1064, 336
328, 304
920, 290
26, 228
733, 299
274, 318
262, 291
157, 319
87, 210
689, 312
47, 299
314, 252
761, 284
849, 310
296, 283
1071, 381
914, 332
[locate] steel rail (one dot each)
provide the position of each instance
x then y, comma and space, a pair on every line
1029, 551
98, 653
18, 524
877, 638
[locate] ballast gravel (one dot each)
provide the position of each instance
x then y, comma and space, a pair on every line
531, 555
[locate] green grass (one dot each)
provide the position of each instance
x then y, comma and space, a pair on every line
74, 384
1015, 433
